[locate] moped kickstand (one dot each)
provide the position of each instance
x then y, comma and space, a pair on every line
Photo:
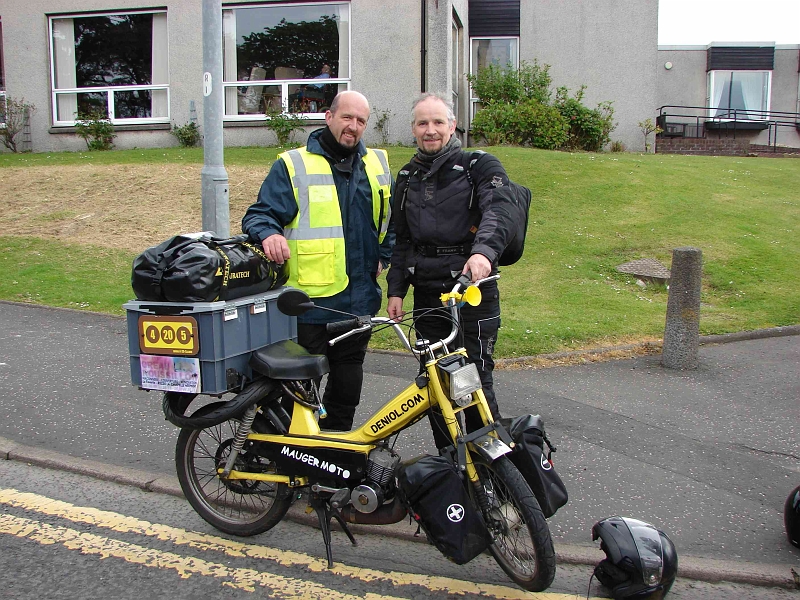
324, 513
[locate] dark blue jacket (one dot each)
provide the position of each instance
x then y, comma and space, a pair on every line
276, 207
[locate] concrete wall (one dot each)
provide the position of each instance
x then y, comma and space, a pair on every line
785, 90
608, 45
27, 64
684, 84
385, 66
386, 60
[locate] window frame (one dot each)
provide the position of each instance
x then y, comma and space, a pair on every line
108, 90
762, 114
473, 100
286, 83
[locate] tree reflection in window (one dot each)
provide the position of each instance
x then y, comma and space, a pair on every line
303, 45
115, 50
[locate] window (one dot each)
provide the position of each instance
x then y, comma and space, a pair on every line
497, 51
276, 57
735, 94
111, 64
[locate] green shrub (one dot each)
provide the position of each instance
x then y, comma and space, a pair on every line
284, 124
493, 123
504, 84
14, 116
96, 130
617, 146
529, 123
188, 135
589, 129
382, 124
516, 107
647, 126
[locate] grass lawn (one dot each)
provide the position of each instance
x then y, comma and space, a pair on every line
73, 222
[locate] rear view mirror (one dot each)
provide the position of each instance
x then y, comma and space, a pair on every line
294, 302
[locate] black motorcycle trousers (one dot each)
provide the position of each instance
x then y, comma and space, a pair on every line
346, 376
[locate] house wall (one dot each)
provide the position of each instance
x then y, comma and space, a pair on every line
608, 45
685, 84
386, 60
785, 91
385, 66
27, 63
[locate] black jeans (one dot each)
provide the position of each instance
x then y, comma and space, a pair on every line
346, 360
479, 327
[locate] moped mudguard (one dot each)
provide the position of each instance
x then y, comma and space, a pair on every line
490, 448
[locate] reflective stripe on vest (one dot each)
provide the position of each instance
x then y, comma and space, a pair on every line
316, 235
376, 163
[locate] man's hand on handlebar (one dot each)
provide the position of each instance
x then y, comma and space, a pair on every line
479, 266
276, 248
394, 307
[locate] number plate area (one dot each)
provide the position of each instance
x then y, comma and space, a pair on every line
168, 335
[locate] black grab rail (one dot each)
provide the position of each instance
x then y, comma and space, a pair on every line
694, 121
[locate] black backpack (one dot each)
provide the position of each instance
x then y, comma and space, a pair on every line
512, 209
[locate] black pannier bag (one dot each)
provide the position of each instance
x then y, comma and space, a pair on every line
436, 498
529, 457
199, 267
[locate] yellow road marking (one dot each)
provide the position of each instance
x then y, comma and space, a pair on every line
124, 524
244, 579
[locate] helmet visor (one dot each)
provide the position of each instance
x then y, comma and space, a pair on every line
648, 543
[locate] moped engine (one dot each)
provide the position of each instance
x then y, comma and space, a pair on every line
368, 496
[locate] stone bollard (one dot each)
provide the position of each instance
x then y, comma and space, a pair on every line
682, 331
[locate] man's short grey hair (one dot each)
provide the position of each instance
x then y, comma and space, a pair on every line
451, 116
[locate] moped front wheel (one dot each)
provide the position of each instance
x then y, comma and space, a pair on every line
240, 507
522, 544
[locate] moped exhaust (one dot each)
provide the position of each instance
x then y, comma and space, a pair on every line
393, 512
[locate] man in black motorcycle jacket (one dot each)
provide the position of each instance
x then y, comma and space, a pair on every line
445, 226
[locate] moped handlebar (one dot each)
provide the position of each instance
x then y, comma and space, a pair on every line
451, 300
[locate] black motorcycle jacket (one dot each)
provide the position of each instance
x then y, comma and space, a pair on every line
441, 219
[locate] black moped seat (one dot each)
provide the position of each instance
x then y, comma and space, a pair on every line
288, 360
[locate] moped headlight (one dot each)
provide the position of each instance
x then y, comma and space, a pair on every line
464, 381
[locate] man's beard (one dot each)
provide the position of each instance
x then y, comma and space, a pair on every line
347, 143
430, 152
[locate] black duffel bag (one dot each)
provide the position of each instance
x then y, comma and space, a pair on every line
536, 467
435, 496
199, 267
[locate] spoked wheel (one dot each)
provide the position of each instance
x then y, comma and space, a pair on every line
522, 544
242, 506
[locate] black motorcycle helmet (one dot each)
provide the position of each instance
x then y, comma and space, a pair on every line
791, 517
641, 561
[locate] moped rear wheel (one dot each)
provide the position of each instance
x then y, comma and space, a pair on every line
240, 507
522, 544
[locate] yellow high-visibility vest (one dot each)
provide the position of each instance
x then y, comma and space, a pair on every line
315, 236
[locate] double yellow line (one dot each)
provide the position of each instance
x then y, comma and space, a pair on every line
186, 566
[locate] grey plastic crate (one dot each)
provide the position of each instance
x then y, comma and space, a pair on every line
227, 334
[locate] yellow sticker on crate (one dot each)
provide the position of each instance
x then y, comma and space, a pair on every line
168, 335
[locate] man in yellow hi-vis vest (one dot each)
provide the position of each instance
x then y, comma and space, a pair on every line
325, 210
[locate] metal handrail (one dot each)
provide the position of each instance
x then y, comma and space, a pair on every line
771, 118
